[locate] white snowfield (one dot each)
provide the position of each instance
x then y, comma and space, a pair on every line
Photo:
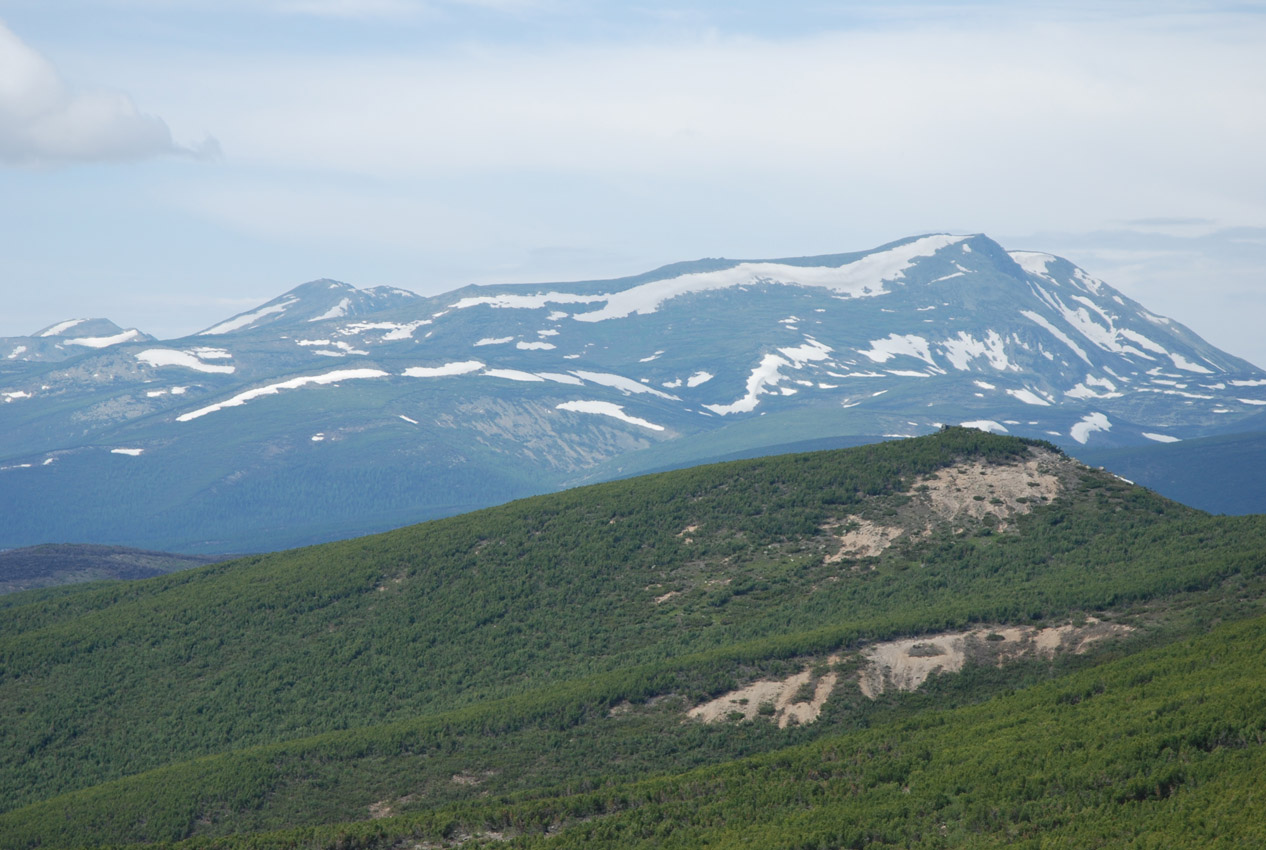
294, 383
463, 367
245, 319
500, 340
861, 278
131, 452
962, 349
338, 310
1041, 321
62, 327
1091, 321
625, 385
395, 330
883, 350
105, 341
1028, 397
768, 373
1089, 423
606, 408
183, 359
1161, 438
698, 378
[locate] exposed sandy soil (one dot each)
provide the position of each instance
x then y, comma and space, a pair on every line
867, 540
974, 490
747, 701
904, 665
956, 496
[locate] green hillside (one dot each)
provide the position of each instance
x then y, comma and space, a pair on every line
536, 661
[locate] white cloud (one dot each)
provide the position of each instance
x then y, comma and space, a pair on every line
45, 121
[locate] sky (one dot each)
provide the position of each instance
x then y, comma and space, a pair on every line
168, 163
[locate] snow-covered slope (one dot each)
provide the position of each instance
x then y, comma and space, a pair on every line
317, 301
334, 410
67, 339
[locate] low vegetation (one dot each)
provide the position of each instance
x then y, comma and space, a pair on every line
524, 673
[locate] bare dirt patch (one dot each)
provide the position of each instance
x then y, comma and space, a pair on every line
863, 539
772, 699
902, 665
976, 490
957, 496
905, 664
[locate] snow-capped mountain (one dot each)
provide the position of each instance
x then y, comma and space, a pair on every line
67, 339
317, 301
331, 410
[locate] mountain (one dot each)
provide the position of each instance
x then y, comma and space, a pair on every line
64, 340
332, 411
317, 301
52, 564
954, 640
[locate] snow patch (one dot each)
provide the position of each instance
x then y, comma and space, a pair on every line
513, 375
535, 346
248, 318
105, 341
339, 309
965, 348
560, 378
526, 302
183, 359
407, 419
1161, 438
62, 327
606, 408
883, 350
861, 278
461, 367
129, 452
699, 378
294, 383
1057, 333
619, 382
1028, 397
1186, 365
1089, 423
15, 395
501, 340
764, 375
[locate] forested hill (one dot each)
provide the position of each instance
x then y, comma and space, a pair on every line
563, 662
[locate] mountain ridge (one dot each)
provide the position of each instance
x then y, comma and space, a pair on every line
300, 407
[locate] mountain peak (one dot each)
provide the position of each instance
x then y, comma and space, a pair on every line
68, 338
314, 301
